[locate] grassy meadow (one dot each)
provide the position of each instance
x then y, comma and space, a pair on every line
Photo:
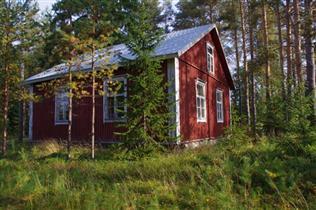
274, 173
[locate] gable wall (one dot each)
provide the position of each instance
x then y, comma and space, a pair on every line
193, 66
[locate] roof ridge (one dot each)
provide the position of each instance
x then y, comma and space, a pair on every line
195, 27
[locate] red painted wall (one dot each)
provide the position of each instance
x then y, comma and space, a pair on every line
44, 119
193, 66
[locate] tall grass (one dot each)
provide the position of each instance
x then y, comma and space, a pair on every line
275, 173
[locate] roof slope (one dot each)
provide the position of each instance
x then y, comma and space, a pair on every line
172, 45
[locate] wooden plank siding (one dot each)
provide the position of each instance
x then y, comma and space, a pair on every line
193, 66
44, 119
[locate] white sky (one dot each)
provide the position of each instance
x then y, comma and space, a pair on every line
45, 4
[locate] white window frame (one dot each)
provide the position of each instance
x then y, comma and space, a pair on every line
200, 98
65, 107
219, 106
107, 94
210, 68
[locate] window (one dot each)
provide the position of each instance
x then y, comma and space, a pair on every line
210, 58
114, 107
219, 106
200, 101
61, 107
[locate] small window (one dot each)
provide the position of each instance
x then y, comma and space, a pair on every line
200, 101
219, 106
61, 107
210, 58
114, 106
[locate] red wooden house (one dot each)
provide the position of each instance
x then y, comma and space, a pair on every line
196, 68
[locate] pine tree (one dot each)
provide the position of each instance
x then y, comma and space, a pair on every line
28, 39
14, 23
95, 35
245, 66
267, 61
167, 15
310, 63
252, 22
297, 43
148, 114
288, 50
193, 13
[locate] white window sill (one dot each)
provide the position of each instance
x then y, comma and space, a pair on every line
114, 121
201, 121
211, 73
220, 121
61, 123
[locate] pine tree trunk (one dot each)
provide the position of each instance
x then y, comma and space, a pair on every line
288, 52
267, 61
69, 113
281, 51
284, 96
238, 72
297, 42
310, 65
253, 84
5, 113
246, 80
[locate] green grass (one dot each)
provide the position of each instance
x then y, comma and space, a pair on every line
276, 173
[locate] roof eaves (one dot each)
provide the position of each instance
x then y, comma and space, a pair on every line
55, 76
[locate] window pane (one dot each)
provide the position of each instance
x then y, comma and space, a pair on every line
61, 104
116, 92
211, 64
120, 102
202, 102
120, 88
209, 49
199, 113
200, 90
120, 113
198, 102
203, 113
60, 112
208, 61
219, 106
110, 107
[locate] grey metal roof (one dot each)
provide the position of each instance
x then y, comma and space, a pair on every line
172, 45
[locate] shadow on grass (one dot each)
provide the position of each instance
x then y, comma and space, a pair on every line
7, 201
56, 155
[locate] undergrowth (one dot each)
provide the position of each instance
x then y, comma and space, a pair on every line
274, 173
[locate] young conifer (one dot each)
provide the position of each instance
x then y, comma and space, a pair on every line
148, 115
